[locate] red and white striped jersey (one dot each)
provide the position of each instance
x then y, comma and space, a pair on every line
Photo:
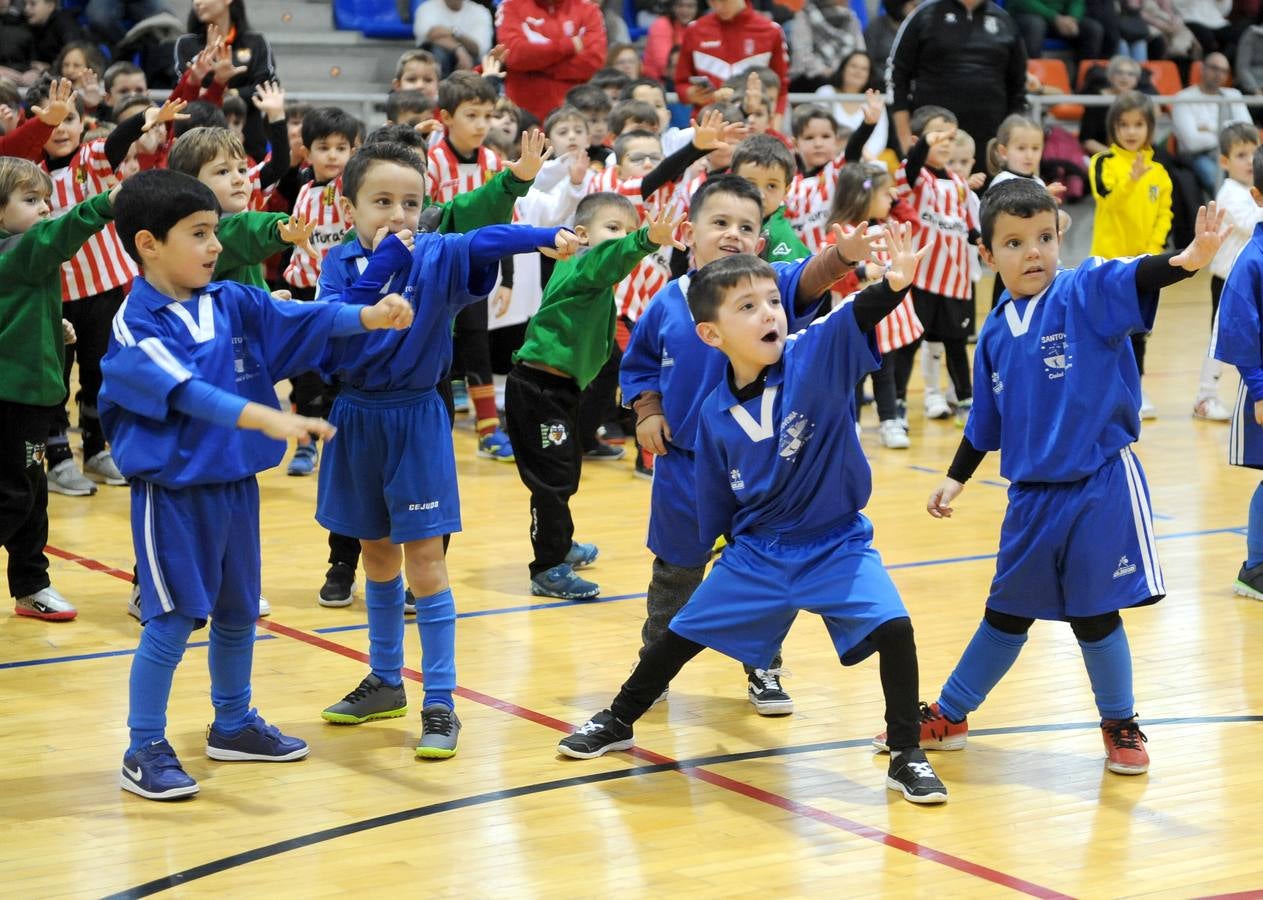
101, 264
446, 176
809, 203
317, 203
654, 271
901, 327
259, 196
945, 217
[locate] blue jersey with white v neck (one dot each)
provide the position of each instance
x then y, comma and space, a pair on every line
1238, 336
788, 463
233, 337
666, 356
1057, 390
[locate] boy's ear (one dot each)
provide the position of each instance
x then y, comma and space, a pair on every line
147, 245
1257, 195
394, 85
581, 232
347, 208
446, 118
709, 333
686, 234
987, 256
758, 248
1223, 161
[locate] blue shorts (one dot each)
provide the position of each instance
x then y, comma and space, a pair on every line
390, 470
673, 531
1083, 548
197, 550
1245, 436
747, 604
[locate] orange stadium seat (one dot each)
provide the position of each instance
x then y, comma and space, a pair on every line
1054, 74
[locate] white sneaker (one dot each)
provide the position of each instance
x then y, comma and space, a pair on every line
65, 478
133, 603
936, 407
1147, 409
45, 604
1210, 409
102, 467
265, 608
893, 436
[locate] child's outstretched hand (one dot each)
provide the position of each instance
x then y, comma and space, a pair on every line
532, 157
91, 89
428, 127
269, 99
565, 245
977, 180
61, 101
500, 301
391, 311
298, 231
68, 332
283, 425
874, 106
168, 112
663, 228
1057, 189
1139, 167
938, 504
754, 100
904, 258
493, 62
282, 294
1208, 234
579, 165
708, 131
938, 138
857, 245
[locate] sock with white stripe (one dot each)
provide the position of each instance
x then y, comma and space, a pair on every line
436, 621
161, 648
1254, 530
384, 602
1108, 662
989, 656
231, 658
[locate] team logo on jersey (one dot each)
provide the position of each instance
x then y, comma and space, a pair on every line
1153, 193
552, 434
81, 176
667, 359
568, 28
1052, 349
735, 479
950, 18
1125, 567
991, 25
997, 386
796, 430
35, 454
330, 190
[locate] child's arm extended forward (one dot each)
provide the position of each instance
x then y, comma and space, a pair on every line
49, 243
492, 203
608, 263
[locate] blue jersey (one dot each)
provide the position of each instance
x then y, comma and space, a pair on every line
666, 356
789, 462
231, 338
1238, 337
1057, 389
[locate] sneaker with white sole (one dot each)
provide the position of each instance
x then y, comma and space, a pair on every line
133, 603
257, 741
911, 774
1211, 410
766, 693
901, 413
1249, 582
440, 729
937, 407
1125, 752
154, 772
339, 587
101, 467
65, 478
561, 582
893, 436
937, 731
1147, 409
581, 555
45, 604
599, 735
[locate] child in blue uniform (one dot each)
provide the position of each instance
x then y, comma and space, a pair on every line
390, 478
780, 469
1059, 392
189, 408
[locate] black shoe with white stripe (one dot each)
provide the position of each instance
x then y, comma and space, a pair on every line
767, 694
911, 774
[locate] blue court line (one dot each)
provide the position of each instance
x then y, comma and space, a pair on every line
214, 867
104, 654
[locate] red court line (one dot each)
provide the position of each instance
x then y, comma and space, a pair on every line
1240, 895
87, 563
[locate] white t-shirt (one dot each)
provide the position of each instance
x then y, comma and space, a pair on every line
471, 21
1234, 197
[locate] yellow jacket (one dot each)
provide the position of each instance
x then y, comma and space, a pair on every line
1132, 217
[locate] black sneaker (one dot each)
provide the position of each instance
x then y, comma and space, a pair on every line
911, 773
599, 735
1249, 582
604, 452
767, 695
339, 586
409, 603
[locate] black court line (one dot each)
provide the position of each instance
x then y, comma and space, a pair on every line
215, 867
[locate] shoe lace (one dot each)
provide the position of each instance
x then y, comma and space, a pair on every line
437, 720
922, 769
592, 726
365, 688
928, 714
771, 678
1126, 734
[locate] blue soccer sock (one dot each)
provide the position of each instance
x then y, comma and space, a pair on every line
161, 648
990, 654
1109, 669
1254, 530
231, 658
384, 601
436, 620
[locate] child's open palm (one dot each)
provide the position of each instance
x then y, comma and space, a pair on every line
532, 157
580, 163
664, 226
91, 89
1139, 167
754, 100
1208, 235
857, 245
269, 99
60, 102
904, 258
298, 231
708, 131
874, 106
168, 112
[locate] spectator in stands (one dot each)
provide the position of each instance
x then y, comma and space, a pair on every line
1171, 37
821, 36
109, 19
964, 55
51, 29
855, 76
552, 46
667, 32
727, 41
1122, 75
612, 81
1197, 125
1249, 67
1208, 20
84, 64
457, 32
16, 43
1064, 19
880, 35
625, 58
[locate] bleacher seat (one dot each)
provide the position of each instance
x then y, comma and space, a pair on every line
1085, 65
1165, 75
1053, 73
375, 18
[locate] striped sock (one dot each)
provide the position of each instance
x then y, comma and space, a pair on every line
486, 418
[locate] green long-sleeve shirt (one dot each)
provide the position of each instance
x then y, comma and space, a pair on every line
780, 241
574, 328
1047, 9
248, 239
32, 348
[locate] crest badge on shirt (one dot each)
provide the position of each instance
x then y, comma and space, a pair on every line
552, 434
950, 18
749, 47
991, 25
796, 430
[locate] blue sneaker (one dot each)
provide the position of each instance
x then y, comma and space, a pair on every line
304, 461
560, 581
256, 741
460, 395
581, 555
495, 446
153, 772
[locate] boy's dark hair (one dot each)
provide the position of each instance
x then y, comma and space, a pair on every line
234, 106
730, 184
610, 79
594, 204
625, 111
561, 114
132, 106
712, 282
588, 99
1258, 169
1237, 133
766, 151
327, 121
1021, 197
809, 113
200, 113
464, 87
37, 95
629, 89
1125, 103
297, 111
400, 102
155, 200
397, 134
370, 155
924, 115
122, 67
621, 142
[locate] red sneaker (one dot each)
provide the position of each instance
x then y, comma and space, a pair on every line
1125, 747
937, 732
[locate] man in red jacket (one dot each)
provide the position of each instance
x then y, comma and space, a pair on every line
725, 42
552, 45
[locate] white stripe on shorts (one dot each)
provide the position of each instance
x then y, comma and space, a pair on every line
1236, 428
151, 555
1143, 520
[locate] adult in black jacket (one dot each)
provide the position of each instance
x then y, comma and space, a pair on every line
965, 55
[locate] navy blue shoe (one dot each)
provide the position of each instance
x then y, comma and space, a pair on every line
153, 772
581, 555
560, 581
256, 741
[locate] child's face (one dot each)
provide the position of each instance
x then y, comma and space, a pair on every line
640, 157
598, 127
628, 62
294, 127
1023, 151
749, 326
648, 93
1239, 163
1024, 251
125, 87
73, 65
504, 123
962, 159
26, 206
609, 225
725, 226
38, 12
759, 121
1132, 131
229, 178
883, 200
468, 125
567, 136
938, 156
236, 124
770, 180
818, 143
418, 75
328, 156
391, 196
185, 261
67, 136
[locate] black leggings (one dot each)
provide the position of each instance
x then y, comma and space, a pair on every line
1088, 629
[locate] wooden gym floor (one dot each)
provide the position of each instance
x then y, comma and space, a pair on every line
716, 801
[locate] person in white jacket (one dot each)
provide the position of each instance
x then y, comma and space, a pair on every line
1197, 125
